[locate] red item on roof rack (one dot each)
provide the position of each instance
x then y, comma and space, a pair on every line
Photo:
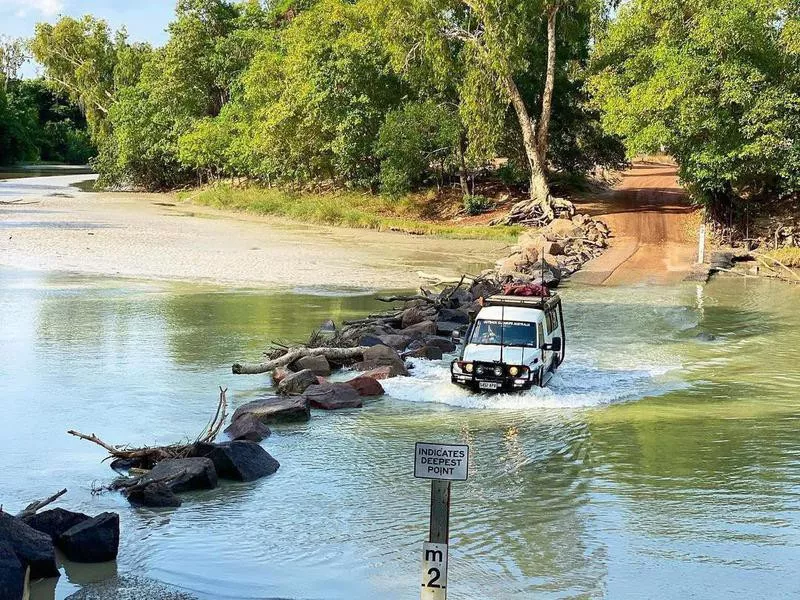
526, 289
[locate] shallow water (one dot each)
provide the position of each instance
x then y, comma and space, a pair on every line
663, 462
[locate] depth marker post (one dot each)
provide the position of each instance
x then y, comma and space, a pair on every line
441, 463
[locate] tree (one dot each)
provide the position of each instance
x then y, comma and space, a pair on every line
716, 84
12, 56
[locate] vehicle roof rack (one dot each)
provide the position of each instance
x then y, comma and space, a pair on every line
541, 303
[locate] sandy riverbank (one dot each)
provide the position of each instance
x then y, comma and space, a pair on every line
58, 227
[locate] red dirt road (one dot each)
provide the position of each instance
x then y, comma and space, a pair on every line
653, 228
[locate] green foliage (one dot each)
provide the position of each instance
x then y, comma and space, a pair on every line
475, 205
715, 84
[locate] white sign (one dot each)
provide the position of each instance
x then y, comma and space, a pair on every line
434, 571
441, 461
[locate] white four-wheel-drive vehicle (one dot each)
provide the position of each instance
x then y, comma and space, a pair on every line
514, 343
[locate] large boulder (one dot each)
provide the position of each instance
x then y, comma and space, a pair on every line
296, 383
276, 409
428, 352
316, 364
382, 356
238, 460
420, 329
381, 372
445, 344
366, 385
199, 474
92, 541
33, 548
154, 495
454, 315
511, 265
247, 427
12, 573
558, 229
412, 316
395, 340
446, 328
279, 374
56, 521
333, 396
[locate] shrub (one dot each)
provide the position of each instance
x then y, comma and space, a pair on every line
475, 205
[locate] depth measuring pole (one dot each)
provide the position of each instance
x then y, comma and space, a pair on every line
441, 463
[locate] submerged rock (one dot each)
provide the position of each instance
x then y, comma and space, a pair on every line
333, 396
12, 573
33, 548
92, 541
276, 410
199, 474
366, 385
55, 522
154, 495
247, 427
296, 383
127, 587
238, 460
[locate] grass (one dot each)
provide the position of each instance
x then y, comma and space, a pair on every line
788, 256
345, 209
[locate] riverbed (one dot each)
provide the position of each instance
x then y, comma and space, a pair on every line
663, 462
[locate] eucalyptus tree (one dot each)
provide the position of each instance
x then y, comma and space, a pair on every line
13, 55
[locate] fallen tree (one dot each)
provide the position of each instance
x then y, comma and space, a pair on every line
294, 354
148, 456
38, 505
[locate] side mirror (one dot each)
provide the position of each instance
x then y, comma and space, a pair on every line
456, 336
554, 346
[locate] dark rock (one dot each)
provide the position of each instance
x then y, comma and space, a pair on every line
276, 410
429, 352
378, 356
394, 340
123, 465
460, 298
704, 336
412, 316
333, 396
279, 374
239, 460
369, 340
247, 427
12, 573
420, 329
56, 521
454, 315
366, 385
92, 541
444, 344
33, 548
316, 364
199, 475
154, 495
296, 383
446, 328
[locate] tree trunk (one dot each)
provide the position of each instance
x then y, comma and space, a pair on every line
462, 167
549, 83
335, 354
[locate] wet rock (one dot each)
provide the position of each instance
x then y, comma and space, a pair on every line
428, 352
92, 541
333, 396
454, 315
296, 383
369, 340
316, 364
154, 495
12, 573
199, 474
446, 328
279, 374
128, 587
55, 521
412, 316
396, 341
419, 330
382, 356
247, 427
123, 465
238, 460
445, 344
33, 548
383, 372
275, 410
366, 385
704, 336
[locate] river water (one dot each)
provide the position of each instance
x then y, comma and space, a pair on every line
663, 462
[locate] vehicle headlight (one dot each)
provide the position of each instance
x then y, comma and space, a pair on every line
513, 371
468, 367
498, 371
479, 370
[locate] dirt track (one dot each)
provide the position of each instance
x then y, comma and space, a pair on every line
653, 228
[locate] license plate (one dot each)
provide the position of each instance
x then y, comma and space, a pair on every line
489, 385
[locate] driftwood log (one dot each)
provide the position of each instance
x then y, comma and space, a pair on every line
150, 455
332, 354
38, 505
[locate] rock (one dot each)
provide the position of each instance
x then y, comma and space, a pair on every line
445, 344
333, 396
247, 427
552, 249
154, 495
279, 374
396, 341
428, 352
381, 354
602, 228
420, 329
123, 465
532, 242
511, 265
366, 385
92, 541
200, 474
33, 548
383, 372
530, 254
275, 410
454, 315
369, 340
412, 316
551, 278
316, 364
296, 383
460, 298
580, 219
238, 460
56, 521
12, 573
446, 328
561, 228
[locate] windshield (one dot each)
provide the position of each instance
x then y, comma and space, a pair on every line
507, 333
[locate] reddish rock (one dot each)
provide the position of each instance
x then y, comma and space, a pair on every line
366, 385
333, 396
279, 374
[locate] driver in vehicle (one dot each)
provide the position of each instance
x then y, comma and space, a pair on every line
489, 335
